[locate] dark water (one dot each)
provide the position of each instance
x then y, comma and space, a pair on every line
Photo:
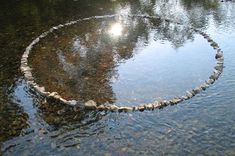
147, 60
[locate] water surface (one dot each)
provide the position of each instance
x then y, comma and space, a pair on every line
203, 125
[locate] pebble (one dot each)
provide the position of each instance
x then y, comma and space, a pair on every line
90, 105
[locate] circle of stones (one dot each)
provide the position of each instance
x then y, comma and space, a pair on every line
91, 105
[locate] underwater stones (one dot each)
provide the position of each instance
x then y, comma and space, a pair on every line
90, 105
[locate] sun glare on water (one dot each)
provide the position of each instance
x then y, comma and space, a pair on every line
116, 29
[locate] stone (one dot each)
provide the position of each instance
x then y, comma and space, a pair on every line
175, 101
204, 86
210, 81
53, 94
63, 101
156, 105
221, 59
219, 67
219, 55
101, 107
25, 68
164, 102
39, 89
149, 106
189, 94
125, 109
213, 44
184, 97
197, 90
141, 108
72, 102
215, 76
113, 107
91, 105
135, 108
210, 40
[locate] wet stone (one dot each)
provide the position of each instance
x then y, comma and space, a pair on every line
141, 108
175, 101
204, 86
184, 97
149, 106
72, 102
215, 76
91, 105
63, 100
189, 94
101, 107
53, 94
125, 109
197, 90
218, 55
210, 81
219, 67
113, 108
156, 105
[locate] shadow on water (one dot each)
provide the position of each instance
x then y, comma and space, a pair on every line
31, 125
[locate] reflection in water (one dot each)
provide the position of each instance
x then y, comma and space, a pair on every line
204, 126
116, 29
109, 62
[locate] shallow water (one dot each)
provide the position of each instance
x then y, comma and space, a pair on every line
168, 61
122, 60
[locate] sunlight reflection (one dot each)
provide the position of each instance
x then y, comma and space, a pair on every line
116, 29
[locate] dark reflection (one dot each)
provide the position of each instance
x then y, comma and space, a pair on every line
12, 118
21, 21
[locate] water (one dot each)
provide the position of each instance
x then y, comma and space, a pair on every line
203, 125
